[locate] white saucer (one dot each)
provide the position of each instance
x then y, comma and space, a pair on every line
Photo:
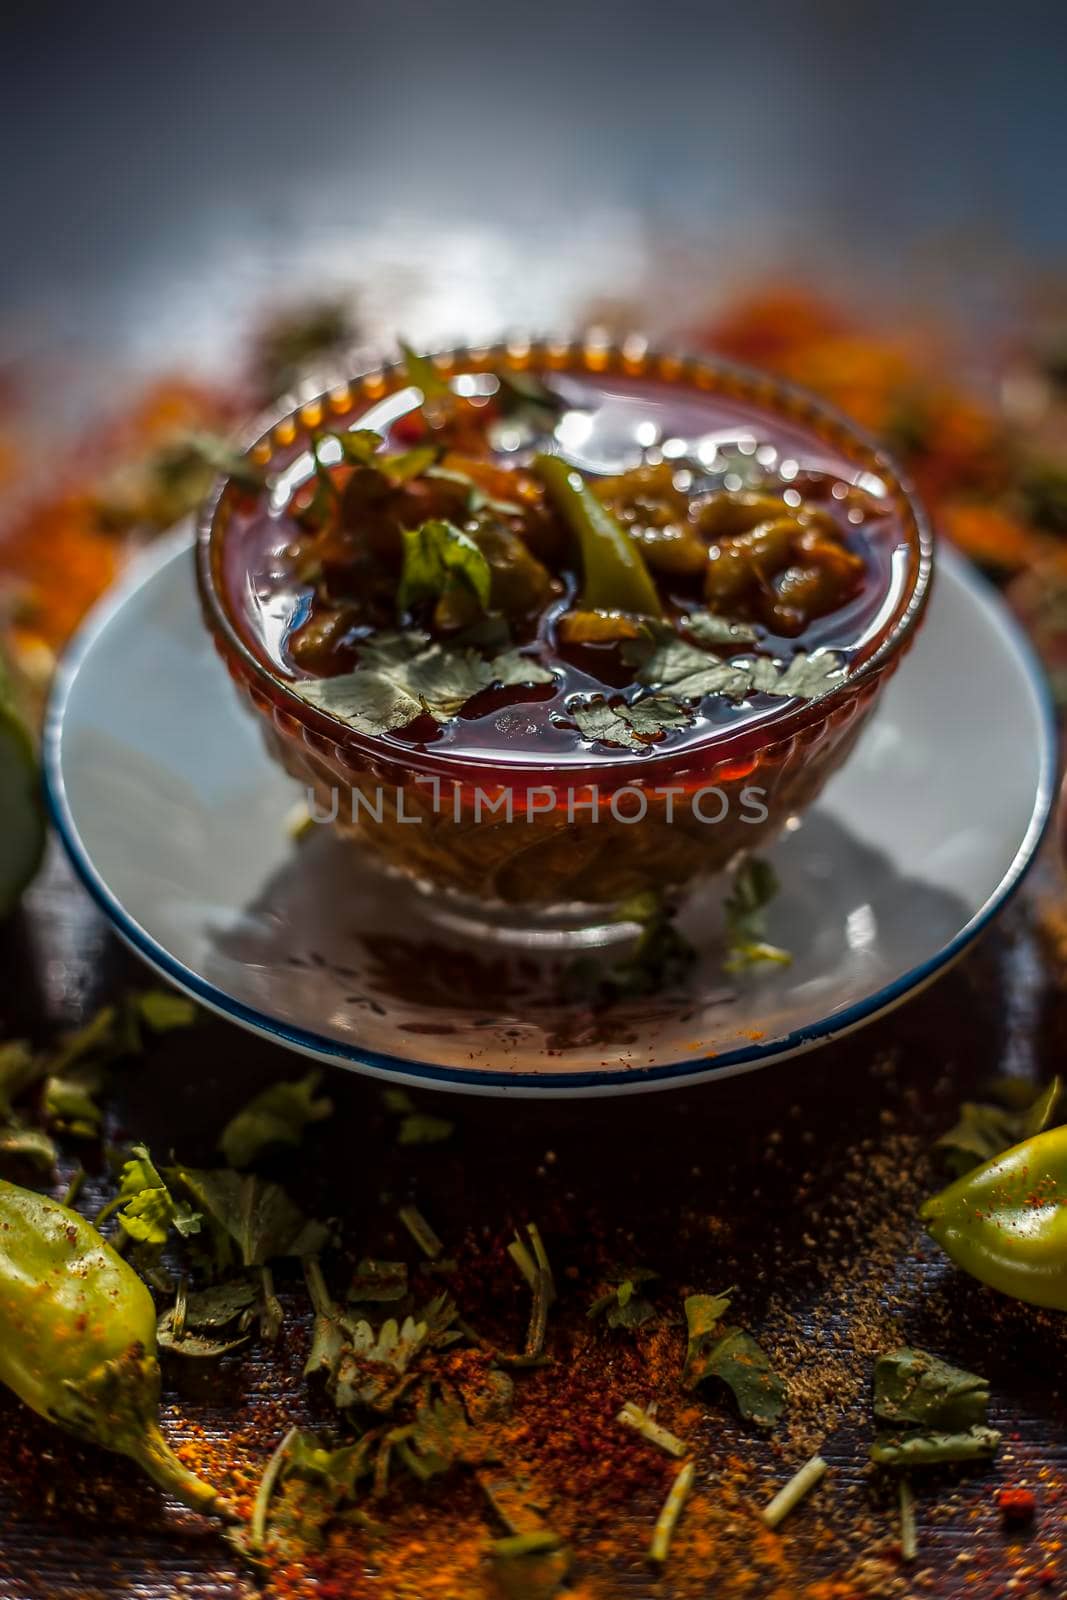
174, 817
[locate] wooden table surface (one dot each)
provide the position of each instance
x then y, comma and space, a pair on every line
799, 1182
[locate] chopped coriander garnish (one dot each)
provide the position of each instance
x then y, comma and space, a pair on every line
439, 556
162, 1009
909, 1537
929, 1412
245, 1212
667, 1520
732, 1356
709, 629
633, 1417
934, 1449
258, 1529
27, 1144
915, 1389
421, 1232
800, 1484
402, 675
684, 672
754, 887
147, 1209
74, 1186
632, 723
276, 1116
224, 459
539, 1541
19, 1070
985, 1131
425, 374
416, 1127
205, 1313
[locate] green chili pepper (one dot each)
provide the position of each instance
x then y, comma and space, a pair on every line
78, 1338
614, 574
1006, 1222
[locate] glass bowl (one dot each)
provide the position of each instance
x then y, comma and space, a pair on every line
541, 847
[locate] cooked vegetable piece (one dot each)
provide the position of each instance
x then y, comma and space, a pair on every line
518, 583
655, 512
785, 570
596, 627
725, 513
615, 577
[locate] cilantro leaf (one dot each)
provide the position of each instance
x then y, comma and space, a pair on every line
688, 673
634, 724
337, 1470
163, 1009
983, 1132
221, 457
104, 1035
416, 1127
623, 1307
362, 447
404, 465
915, 1389
807, 676
929, 1412
19, 1143
275, 1116
419, 1128
358, 446
198, 1346
69, 1099
703, 1314
423, 372
522, 397
709, 629
297, 338
208, 1311
438, 555
754, 887
739, 1362
258, 1217
147, 1210
733, 1357
661, 956
439, 1438
368, 1364
401, 675
19, 1070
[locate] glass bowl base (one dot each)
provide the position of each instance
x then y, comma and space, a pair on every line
571, 926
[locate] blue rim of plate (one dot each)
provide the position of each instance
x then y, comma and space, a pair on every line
725, 1064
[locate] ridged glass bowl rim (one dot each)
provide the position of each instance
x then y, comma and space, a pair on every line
631, 357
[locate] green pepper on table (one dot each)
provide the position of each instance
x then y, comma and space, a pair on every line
1006, 1222
78, 1338
614, 574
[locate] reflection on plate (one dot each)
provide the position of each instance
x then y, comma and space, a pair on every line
175, 819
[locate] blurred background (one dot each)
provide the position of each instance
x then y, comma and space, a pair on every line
205, 202
170, 165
